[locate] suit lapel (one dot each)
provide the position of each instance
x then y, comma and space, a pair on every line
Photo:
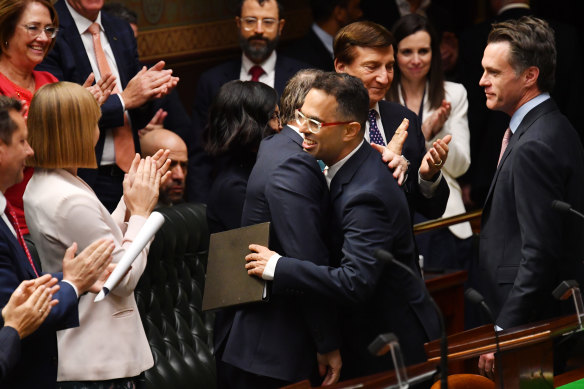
347, 171
116, 46
20, 259
70, 34
525, 124
293, 135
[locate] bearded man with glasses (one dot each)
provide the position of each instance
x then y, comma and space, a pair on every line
259, 25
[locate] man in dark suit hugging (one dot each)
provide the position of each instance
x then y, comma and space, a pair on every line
369, 212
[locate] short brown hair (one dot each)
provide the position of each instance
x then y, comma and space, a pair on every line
7, 125
61, 124
361, 34
10, 13
295, 92
532, 43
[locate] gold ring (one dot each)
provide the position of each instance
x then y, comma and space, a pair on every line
41, 311
439, 164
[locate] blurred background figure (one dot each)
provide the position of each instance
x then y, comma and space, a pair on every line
441, 106
316, 47
173, 189
243, 113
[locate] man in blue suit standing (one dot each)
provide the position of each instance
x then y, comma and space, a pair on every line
93, 41
259, 24
37, 367
369, 212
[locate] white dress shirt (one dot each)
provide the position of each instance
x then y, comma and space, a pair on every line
269, 66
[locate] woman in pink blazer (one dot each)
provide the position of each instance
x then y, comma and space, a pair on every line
110, 343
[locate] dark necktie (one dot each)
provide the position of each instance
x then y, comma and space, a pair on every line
374, 133
9, 211
504, 143
256, 72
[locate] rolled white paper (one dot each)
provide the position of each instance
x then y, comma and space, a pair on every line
148, 230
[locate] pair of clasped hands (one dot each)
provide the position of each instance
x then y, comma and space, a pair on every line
146, 85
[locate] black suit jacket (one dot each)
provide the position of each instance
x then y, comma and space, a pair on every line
9, 350
68, 61
526, 247
370, 212
37, 367
414, 150
310, 49
280, 338
200, 164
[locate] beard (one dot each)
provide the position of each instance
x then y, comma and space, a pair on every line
258, 54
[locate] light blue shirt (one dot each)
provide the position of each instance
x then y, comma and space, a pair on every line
325, 38
518, 116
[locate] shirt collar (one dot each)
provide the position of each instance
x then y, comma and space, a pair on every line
325, 38
518, 116
81, 22
269, 65
2, 203
334, 169
297, 130
512, 6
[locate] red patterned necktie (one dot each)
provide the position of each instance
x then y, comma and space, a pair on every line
504, 143
256, 72
9, 211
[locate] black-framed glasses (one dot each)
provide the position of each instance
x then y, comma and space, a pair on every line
249, 23
314, 125
35, 30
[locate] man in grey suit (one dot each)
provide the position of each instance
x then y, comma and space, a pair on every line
526, 247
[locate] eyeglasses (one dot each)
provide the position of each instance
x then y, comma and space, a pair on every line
249, 23
313, 125
34, 30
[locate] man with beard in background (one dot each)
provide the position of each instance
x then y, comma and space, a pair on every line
260, 26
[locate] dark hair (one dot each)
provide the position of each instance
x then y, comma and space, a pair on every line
11, 12
409, 25
7, 125
361, 34
323, 9
261, 2
295, 92
532, 43
350, 93
238, 118
120, 11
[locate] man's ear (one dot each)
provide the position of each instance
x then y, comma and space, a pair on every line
352, 130
281, 27
530, 75
238, 22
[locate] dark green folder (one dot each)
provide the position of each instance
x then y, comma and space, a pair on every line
227, 282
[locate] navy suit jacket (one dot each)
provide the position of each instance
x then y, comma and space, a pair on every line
414, 150
9, 350
370, 212
526, 247
68, 61
200, 164
37, 367
280, 338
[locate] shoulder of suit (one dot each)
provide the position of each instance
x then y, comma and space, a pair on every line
394, 108
290, 63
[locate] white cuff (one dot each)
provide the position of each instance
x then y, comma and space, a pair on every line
428, 188
122, 101
73, 286
270, 269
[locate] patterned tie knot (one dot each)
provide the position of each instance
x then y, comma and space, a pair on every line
374, 133
94, 29
256, 72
